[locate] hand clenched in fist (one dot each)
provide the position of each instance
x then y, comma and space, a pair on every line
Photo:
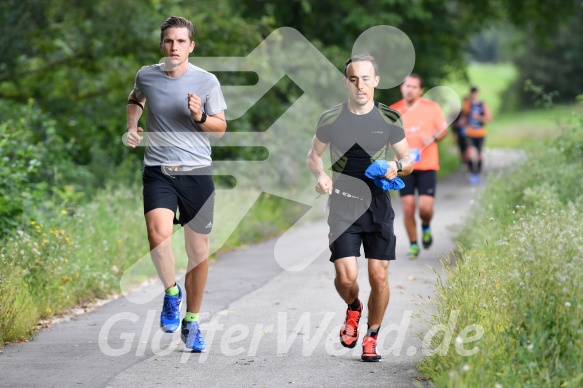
194, 104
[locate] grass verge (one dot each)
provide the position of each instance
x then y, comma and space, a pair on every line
518, 277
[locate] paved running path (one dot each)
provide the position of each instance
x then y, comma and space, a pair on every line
271, 327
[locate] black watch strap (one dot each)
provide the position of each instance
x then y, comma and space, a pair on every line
202, 119
399, 166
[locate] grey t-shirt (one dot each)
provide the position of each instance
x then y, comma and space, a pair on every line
173, 136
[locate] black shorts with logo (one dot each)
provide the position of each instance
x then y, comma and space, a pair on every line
352, 223
191, 192
422, 180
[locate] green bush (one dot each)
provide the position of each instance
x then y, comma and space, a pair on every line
518, 276
35, 164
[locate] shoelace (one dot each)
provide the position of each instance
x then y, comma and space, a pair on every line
369, 345
351, 325
198, 336
170, 307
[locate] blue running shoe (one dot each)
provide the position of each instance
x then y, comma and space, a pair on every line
170, 315
192, 337
475, 179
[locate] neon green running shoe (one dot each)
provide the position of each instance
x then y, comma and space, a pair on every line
427, 239
413, 252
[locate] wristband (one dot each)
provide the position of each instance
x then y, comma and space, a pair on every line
134, 102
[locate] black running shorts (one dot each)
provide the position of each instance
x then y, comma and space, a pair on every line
477, 142
373, 228
193, 195
422, 180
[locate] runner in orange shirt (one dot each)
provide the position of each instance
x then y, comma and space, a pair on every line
424, 124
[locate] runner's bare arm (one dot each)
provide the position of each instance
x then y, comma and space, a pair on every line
215, 125
324, 184
134, 112
402, 153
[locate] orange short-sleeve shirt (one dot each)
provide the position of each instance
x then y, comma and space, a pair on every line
424, 119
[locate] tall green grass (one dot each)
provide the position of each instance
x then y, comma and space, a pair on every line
518, 275
64, 257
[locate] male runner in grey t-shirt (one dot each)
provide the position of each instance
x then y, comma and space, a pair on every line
185, 106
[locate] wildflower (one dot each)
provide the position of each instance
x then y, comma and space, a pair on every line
529, 347
567, 304
32, 222
466, 368
64, 212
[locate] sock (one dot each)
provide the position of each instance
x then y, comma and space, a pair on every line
479, 168
354, 305
470, 165
191, 317
373, 332
425, 228
413, 243
172, 291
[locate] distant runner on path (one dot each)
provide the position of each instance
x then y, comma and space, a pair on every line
476, 114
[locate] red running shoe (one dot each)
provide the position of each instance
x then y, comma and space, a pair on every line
369, 350
349, 330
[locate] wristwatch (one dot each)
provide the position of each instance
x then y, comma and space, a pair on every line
399, 166
202, 119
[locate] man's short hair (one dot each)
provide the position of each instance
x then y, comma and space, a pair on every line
473, 89
177, 22
362, 58
416, 76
